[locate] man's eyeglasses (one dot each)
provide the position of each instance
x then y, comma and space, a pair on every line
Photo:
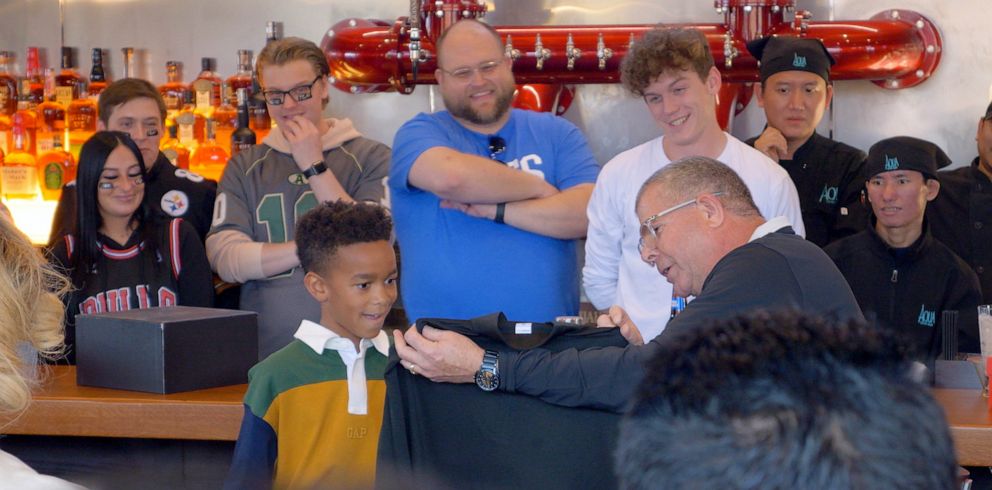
464, 74
648, 229
299, 94
106, 185
497, 145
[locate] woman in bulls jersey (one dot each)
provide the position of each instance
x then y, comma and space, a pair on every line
119, 255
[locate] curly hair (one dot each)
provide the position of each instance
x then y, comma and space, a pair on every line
333, 224
31, 312
784, 400
661, 50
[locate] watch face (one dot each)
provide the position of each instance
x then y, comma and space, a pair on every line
486, 380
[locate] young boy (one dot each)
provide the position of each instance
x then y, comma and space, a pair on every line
313, 410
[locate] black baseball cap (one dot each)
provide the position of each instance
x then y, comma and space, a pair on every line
781, 53
906, 153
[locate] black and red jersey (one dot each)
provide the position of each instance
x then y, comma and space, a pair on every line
135, 275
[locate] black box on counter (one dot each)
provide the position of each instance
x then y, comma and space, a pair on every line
166, 350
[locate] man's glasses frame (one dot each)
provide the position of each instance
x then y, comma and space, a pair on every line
464, 74
299, 94
649, 231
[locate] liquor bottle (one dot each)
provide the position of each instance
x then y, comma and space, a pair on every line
4, 133
260, 121
8, 85
241, 79
55, 167
225, 122
243, 137
98, 79
173, 91
206, 87
18, 178
80, 120
192, 124
29, 118
51, 116
69, 84
129, 71
209, 159
174, 150
34, 75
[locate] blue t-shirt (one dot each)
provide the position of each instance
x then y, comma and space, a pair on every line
458, 266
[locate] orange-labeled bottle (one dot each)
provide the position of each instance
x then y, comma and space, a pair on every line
35, 76
209, 159
56, 168
81, 122
8, 85
174, 92
28, 117
241, 79
225, 122
69, 84
174, 150
207, 86
18, 176
51, 116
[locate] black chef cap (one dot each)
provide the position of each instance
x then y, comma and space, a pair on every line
780, 53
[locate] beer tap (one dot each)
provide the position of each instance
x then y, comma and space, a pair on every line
509, 51
729, 51
602, 52
571, 52
540, 53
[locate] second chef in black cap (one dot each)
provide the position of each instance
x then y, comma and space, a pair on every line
794, 92
899, 273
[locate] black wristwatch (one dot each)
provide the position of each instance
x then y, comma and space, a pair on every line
487, 377
315, 170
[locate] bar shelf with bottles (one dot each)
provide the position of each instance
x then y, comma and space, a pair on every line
47, 115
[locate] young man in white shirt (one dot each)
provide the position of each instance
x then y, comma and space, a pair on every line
673, 70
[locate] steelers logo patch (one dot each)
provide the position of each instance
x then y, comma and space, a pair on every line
175, 203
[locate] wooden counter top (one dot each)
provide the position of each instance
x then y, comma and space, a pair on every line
60, 407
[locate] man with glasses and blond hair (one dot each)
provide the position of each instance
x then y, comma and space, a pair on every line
704, 233
266, 188
488, 201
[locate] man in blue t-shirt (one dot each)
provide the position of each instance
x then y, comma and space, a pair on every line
488, 201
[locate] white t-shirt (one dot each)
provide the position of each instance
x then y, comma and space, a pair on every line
614, 273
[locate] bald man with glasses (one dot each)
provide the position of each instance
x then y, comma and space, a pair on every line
704, 234
488, 200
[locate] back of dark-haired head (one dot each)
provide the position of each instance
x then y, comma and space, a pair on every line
662, 50
690, 177
782, 401
92, 159
126, 90
334, 224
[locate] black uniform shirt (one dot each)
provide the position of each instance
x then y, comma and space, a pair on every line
908, 290
829, 176
441, 435
171, 192
961, 218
